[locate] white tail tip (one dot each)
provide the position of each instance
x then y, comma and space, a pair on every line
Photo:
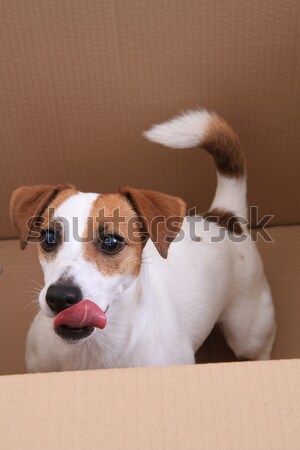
184, 131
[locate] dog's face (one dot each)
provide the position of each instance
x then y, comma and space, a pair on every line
90, 245
88, 255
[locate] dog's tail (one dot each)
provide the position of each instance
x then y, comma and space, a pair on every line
206, 130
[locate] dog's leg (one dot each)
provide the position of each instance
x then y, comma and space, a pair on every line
249, 325
266, 353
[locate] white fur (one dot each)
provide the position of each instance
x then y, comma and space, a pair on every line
163, 315
186, 130
231, 195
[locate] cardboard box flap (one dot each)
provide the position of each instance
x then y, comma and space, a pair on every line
252, 405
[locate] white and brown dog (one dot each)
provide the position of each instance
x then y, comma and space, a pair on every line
117, 294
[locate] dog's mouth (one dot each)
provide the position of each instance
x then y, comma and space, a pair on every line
79, 321
73, 334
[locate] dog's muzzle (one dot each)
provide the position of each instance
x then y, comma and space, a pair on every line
75, 318
60, 297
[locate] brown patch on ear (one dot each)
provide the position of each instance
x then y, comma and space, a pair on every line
28, 204
161, 215
225, 219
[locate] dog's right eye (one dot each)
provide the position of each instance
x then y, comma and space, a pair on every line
49, 240
111, 243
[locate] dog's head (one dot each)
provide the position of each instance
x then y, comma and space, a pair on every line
90, 246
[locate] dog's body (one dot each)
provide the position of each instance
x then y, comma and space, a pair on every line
159, 311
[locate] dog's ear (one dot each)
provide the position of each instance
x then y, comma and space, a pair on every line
161, 215
28, 203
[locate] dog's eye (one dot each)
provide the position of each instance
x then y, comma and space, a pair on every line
49, 240
111, 243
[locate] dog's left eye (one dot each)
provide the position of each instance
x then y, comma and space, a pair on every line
111, 243
49, 240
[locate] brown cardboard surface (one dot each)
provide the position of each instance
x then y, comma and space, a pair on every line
282, 265
252, 405
21, 271
79, 81
19, 281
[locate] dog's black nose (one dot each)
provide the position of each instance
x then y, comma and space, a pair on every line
61, 296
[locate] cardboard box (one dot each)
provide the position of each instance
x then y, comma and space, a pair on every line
79, 81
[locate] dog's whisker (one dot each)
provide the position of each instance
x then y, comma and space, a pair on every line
34, 300
34, 304
30, 289
33, 295
38, 284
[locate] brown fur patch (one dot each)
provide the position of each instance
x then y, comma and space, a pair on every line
27, 205
224, 146
225, 219
56, 202
161, 215
46, 220
129, 259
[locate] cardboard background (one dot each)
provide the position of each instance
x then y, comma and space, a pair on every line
80, 81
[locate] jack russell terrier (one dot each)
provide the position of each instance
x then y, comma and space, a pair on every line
117, 294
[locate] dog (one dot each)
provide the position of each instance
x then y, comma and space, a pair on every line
142, 288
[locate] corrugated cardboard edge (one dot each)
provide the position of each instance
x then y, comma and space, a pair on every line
249, 405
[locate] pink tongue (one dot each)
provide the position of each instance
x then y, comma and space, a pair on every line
83, 314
